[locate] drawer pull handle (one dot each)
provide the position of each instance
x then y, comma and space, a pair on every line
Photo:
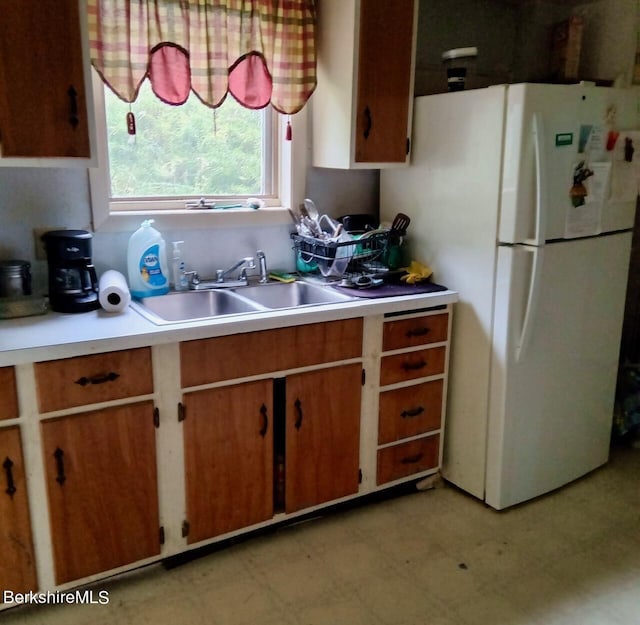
299, 415
265, 421
412, 412
412, 459
98, 379
414, 366
58, 454
7, 465
418, 332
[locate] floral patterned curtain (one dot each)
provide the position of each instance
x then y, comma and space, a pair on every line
262, 51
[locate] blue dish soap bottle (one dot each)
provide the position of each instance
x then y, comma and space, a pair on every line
147, 262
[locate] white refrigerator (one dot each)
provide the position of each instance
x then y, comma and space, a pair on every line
496, 195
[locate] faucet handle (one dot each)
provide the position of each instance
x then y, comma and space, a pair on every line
262, 260
194, 278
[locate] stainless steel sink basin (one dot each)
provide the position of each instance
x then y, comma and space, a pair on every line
198, 305
291, 295
192, 306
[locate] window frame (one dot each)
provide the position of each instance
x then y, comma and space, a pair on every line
288, 178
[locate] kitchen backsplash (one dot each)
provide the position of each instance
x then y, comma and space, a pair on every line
59, 198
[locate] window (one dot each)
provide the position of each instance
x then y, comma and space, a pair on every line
228, 156
262, 52
188, 150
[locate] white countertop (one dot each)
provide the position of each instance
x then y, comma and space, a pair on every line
62, 335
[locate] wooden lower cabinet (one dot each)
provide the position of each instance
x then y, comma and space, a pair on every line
402, 460
102, 488
8, 394
17, 564
228, 446
410, 411
322, 436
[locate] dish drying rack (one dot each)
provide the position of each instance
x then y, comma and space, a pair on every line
355, 257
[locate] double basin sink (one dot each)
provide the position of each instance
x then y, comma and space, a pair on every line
183, 306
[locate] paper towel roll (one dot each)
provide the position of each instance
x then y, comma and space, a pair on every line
113, 292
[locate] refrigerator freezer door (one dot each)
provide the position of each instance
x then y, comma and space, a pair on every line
549, 129
550, 410
451, 192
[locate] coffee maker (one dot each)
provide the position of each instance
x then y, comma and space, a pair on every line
73, 284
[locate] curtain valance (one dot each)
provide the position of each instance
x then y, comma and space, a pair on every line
262, 51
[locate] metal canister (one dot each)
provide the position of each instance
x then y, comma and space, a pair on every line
15, 278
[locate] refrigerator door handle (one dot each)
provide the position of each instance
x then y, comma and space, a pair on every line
532, 302
541, 181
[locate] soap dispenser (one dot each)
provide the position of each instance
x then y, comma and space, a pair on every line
177, 268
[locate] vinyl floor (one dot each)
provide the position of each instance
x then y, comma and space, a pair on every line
437, 557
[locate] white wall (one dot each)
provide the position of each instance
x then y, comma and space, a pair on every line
514, 39
59, 198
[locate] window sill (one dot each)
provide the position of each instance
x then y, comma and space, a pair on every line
197, 219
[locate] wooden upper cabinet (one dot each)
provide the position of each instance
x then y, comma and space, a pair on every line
362, 106
17, 564
8, 394
384, 81
102, 488
43, 105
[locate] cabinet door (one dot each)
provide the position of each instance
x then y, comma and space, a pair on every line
322, 436
43, 111
8, 394
102, 488
17, 566
228, 444
384, 81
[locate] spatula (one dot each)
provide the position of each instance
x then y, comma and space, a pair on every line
399, 225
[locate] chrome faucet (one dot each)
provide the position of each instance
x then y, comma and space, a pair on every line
219, 282
262, 263
250, 263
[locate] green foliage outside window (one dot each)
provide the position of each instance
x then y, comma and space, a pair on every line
183, 150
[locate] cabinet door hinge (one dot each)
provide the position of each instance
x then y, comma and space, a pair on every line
156, 417
408, 145
359, 476
185, 528
364, 377
182, 415
161, 535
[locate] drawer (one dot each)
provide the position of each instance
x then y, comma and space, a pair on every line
8, 394
411, 365
90, 379
253, 353
415, 331
408, 458
410, 411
